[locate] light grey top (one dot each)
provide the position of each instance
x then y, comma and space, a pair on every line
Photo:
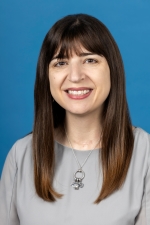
19, 203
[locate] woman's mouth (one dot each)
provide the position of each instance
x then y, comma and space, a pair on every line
78, 93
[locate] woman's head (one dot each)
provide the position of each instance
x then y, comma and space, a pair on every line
67, 36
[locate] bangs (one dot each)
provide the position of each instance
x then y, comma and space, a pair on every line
66, 49
75, 38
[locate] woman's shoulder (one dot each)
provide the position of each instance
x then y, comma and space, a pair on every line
142, 144
22, 147
141, 135
20, 152
24, 143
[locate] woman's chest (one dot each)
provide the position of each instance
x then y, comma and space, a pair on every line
76, 206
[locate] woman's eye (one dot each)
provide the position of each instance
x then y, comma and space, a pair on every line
61, 63
91, 61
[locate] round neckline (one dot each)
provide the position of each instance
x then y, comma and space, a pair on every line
96, 149
77, 150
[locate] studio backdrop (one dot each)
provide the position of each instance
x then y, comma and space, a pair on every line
23, 27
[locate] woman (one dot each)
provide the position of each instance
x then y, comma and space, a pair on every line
84, 162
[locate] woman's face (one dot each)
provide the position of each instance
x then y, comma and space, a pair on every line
81, 83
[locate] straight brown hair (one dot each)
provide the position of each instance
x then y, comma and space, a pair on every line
66, 36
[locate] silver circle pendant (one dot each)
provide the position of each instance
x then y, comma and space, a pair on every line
82, 175
78, 180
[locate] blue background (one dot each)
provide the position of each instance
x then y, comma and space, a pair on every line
23, 27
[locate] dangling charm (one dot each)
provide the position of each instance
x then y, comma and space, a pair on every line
78, 180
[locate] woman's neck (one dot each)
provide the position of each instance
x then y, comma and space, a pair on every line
83, 132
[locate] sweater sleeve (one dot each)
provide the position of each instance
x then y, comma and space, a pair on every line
143, 217
8, 211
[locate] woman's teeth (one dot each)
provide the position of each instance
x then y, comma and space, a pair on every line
78, 92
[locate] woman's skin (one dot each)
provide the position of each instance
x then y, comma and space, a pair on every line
80, 84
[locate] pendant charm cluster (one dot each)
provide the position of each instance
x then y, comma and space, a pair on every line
78, 180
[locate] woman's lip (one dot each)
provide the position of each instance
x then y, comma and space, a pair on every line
78, 97
78, 89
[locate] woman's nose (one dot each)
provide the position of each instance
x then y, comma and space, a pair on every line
75, 73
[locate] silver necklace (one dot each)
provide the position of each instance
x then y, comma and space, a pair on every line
77, 183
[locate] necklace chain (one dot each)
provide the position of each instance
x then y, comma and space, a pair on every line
80, 165
77, 183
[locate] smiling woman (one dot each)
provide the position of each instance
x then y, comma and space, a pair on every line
83, 77
84, 160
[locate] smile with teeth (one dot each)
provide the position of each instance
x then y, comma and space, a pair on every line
81, 92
